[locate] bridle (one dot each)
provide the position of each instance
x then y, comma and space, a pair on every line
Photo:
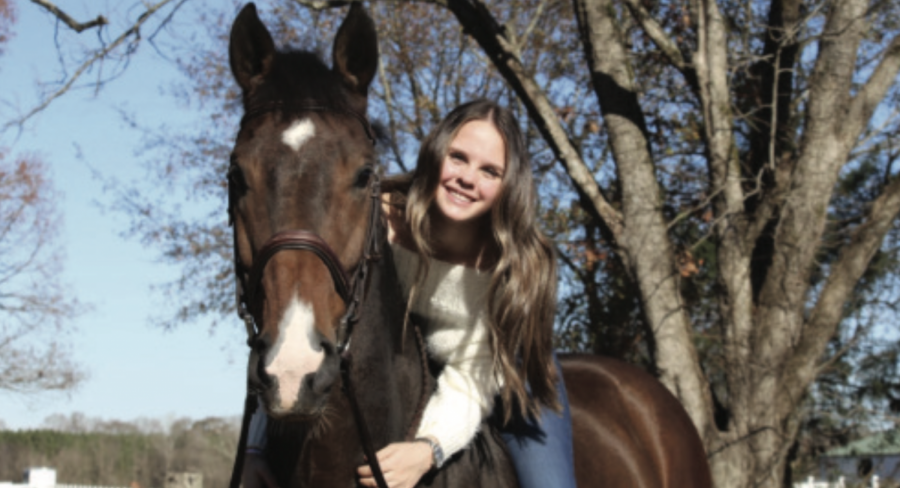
350, 288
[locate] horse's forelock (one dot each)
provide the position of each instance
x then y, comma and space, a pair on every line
300, 78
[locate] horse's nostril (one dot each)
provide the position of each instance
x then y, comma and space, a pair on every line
328, 347
260, 344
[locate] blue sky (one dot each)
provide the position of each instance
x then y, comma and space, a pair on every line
135, 369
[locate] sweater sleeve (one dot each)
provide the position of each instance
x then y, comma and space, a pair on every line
452, 302
465, 394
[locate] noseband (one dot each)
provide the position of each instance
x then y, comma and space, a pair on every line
351, 290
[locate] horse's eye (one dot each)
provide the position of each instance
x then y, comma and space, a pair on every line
363, 176
236, 182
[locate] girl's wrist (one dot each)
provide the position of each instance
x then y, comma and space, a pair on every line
437, 453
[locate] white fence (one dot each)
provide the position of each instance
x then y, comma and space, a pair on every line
7, 484
86, 486
812, 483
39, 477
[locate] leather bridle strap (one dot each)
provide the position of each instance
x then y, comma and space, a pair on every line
364, 436
298, 240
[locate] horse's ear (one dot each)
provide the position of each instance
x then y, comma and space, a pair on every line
251, 49
355, 52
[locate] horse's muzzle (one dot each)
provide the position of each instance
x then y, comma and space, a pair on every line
309, 400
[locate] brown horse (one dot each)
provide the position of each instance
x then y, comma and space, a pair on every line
305, 204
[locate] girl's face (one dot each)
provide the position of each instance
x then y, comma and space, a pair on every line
471, 172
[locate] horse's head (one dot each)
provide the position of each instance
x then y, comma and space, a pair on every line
303, 160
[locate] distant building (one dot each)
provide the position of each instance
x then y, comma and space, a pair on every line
40, 477
876, 455
37, 477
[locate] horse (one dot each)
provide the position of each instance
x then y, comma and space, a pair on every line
332, 361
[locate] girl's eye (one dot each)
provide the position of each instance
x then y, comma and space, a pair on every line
492, 172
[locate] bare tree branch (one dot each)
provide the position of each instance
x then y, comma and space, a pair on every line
72, 23
872, 93
99, 55
659, 37
845, 273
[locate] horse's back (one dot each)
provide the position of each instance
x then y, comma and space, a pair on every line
629, 430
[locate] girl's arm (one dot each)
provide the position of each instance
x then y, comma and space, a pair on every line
464, 397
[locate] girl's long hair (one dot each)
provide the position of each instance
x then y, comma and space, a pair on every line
522, 293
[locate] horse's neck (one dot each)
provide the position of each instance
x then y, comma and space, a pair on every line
330, 458
387, 380
388, 372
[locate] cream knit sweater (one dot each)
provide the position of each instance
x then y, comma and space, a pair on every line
453, 302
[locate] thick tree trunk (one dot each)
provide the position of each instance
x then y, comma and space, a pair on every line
644, 238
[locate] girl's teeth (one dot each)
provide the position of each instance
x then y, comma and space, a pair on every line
460, 196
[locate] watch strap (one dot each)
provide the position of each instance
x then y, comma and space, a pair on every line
437, 454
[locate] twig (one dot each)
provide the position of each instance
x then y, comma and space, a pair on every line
69, 21
99, 55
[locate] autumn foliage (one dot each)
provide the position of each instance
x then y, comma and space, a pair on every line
34, 304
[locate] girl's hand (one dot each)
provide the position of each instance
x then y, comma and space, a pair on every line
402, 463
256, 473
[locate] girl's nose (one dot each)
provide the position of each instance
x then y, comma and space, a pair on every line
465, 176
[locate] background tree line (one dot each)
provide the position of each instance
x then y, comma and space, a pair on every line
87, 451
718, 176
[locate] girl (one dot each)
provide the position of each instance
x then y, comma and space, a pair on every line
477, 269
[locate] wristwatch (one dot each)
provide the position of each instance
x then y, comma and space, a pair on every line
437, 454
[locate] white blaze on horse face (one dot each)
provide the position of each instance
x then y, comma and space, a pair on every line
298, 133
296, 353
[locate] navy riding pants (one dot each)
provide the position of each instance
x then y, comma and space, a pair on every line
541, 449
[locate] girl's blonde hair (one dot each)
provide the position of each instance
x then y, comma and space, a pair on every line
522, 293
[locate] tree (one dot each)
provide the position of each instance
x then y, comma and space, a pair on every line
91, 451
107, 59
776, 124
7, 17
34, 304
722, 173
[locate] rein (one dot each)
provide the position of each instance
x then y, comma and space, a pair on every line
351, 291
